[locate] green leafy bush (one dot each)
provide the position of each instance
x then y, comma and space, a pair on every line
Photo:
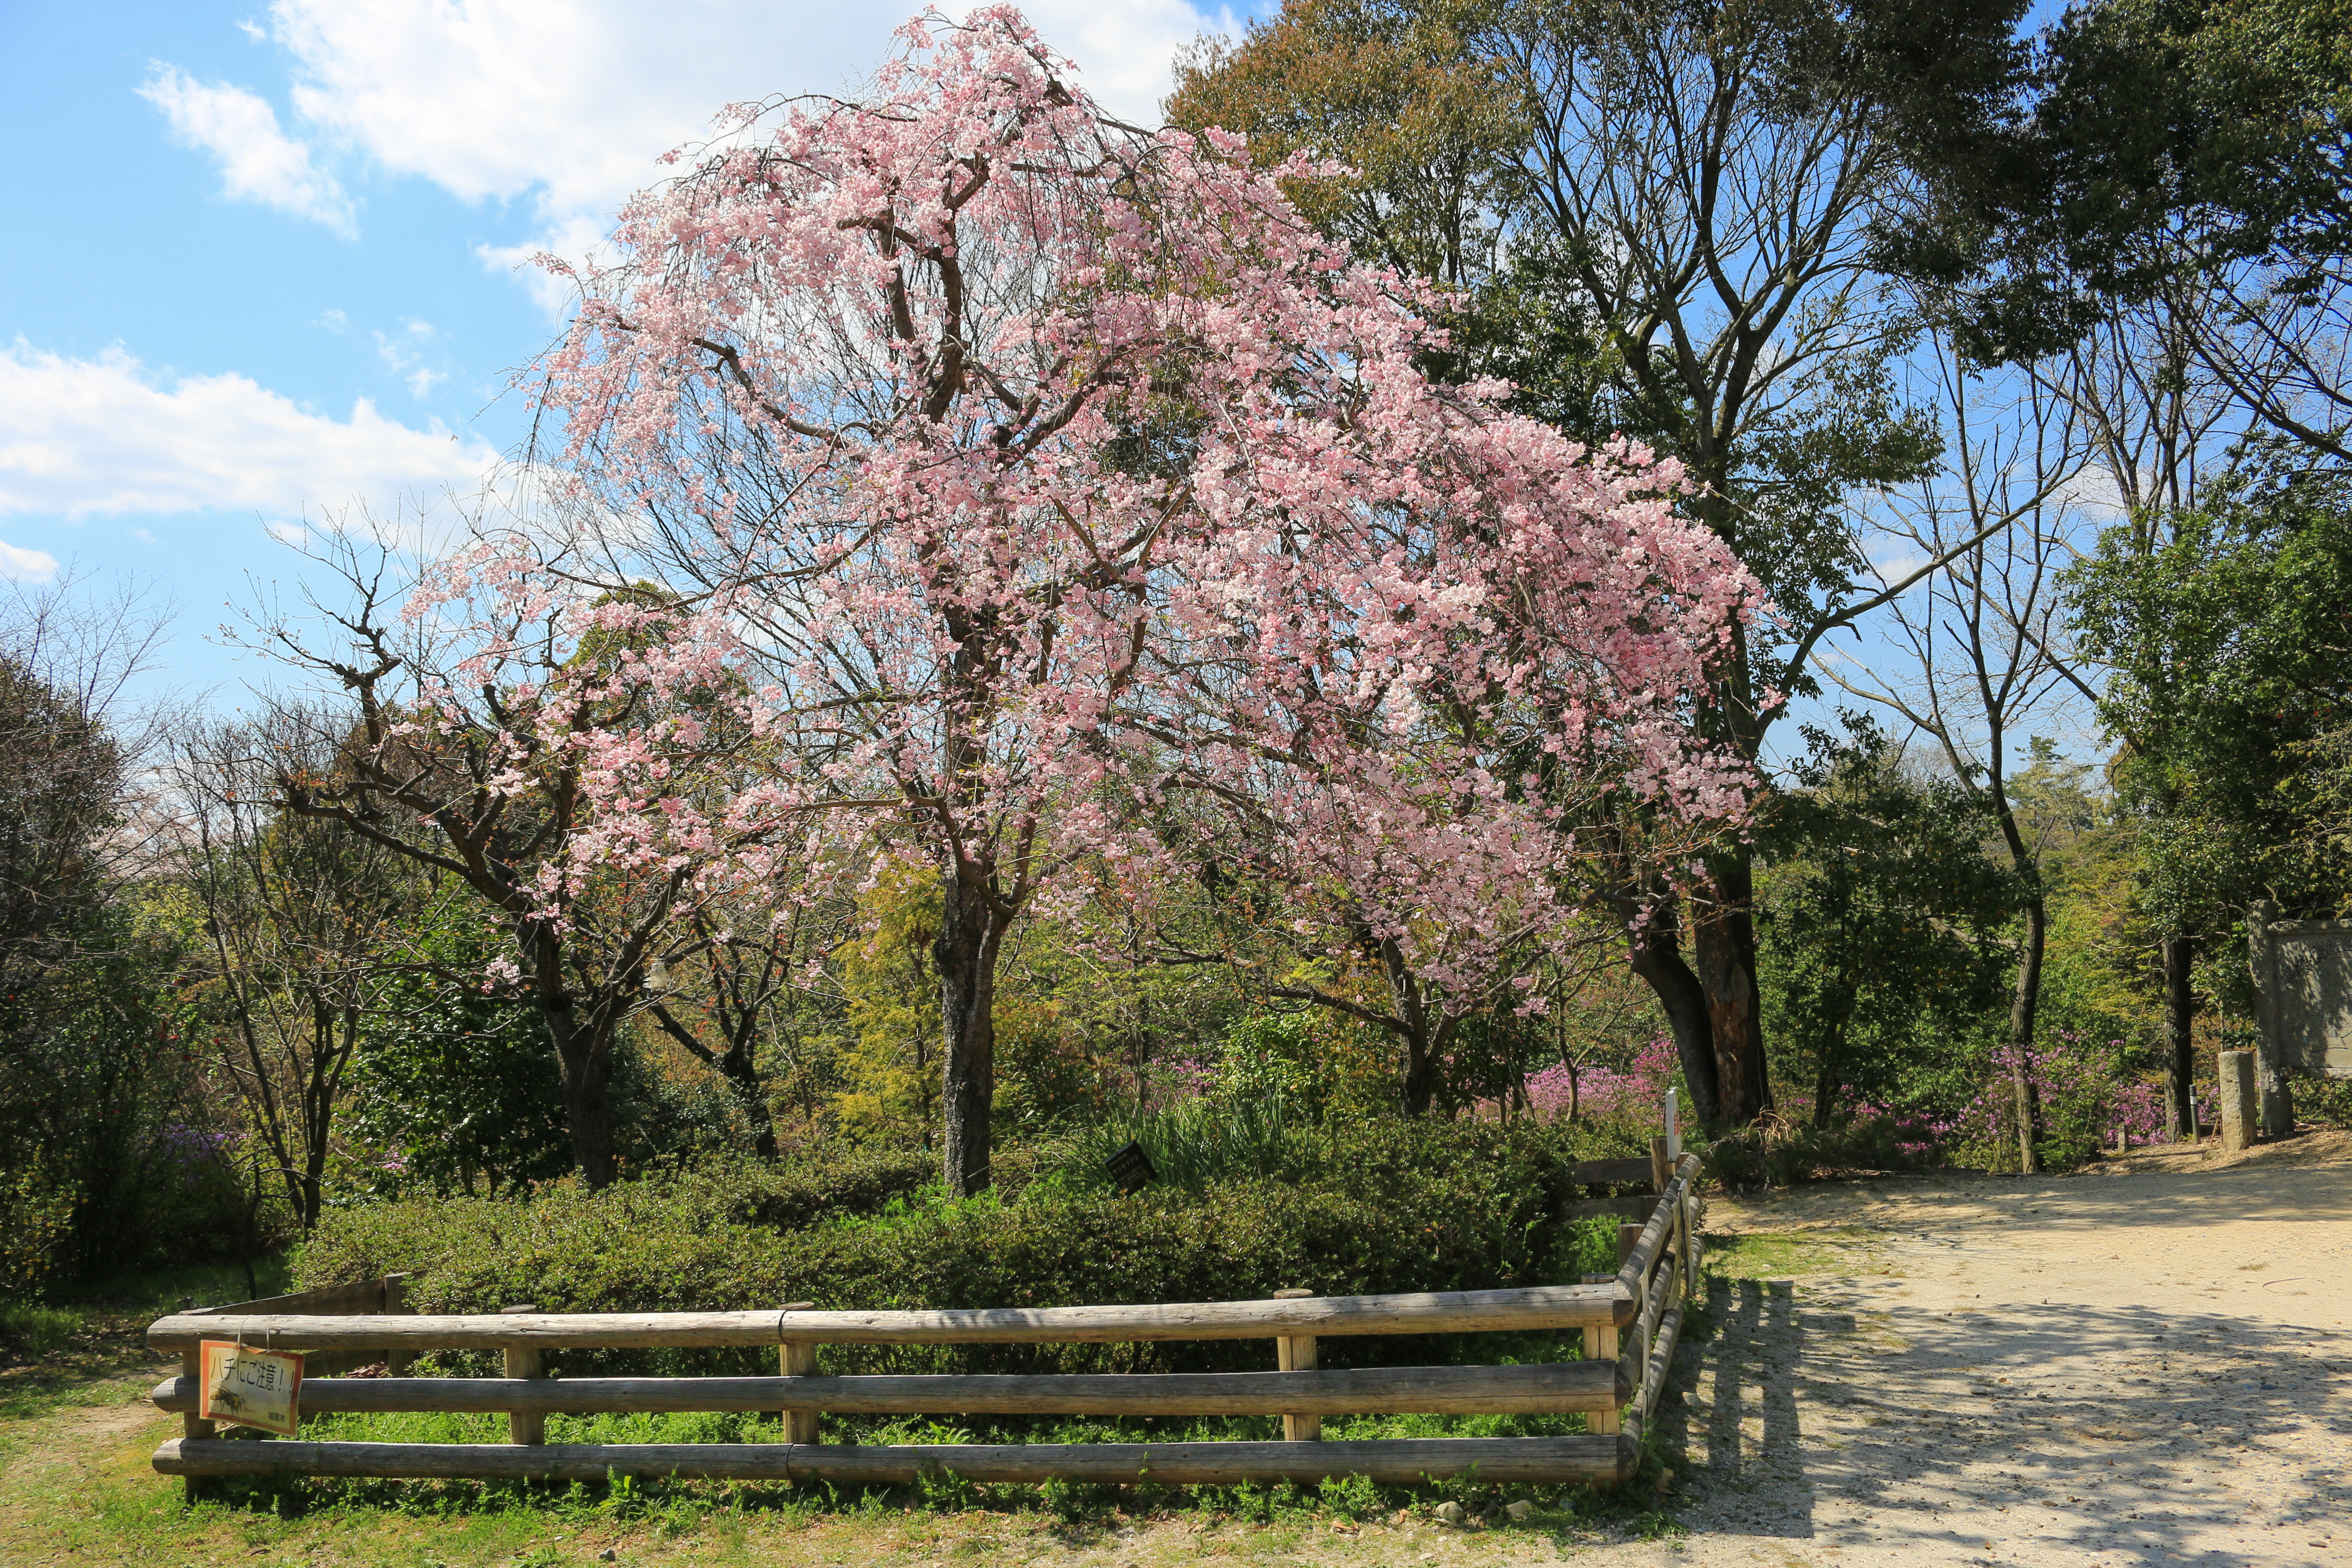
2326, 1101
1386, 1206
1191, 1143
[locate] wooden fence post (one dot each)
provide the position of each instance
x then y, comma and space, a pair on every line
396, 1362
1296, 1353
192, 1367
1601, 1346
797, 1358
529, 1428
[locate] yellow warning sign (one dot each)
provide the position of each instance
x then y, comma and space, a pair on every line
261, 1389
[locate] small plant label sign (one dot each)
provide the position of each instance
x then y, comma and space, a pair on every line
261, 1389
1130, 1169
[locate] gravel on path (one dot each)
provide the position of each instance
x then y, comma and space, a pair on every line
2150, 1362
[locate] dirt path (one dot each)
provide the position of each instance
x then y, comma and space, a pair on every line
2150, 1362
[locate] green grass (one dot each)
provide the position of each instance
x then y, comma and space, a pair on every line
71, 1351
683, 1507
35, 1331
1772, 1254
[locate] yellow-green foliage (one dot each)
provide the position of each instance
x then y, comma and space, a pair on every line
40, 1209
1323, 1061
891, 1066
2097, 978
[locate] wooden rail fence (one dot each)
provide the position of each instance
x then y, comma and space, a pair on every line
1630, 1322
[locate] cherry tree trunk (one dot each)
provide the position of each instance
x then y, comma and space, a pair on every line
1723, 940
1419, 1073
735, 1065
969, 941
585, 1050
1657, 958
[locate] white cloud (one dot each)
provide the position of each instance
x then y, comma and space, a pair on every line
84, 437
1126, 50
577, 239
258, 161
2095, 489
401, 354
21, 565
569, 103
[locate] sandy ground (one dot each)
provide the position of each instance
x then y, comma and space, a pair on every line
2150, 1362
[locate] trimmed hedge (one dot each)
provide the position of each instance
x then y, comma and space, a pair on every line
1384, 1207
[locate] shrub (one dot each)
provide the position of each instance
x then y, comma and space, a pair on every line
1390, 1206
2326, 1101
1190, 1142
2089, 1098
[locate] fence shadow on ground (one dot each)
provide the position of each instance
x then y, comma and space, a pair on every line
1798, 1416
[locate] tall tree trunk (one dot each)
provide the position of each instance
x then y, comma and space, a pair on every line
966, 953
2179, 1053
763, 1121
1424, 1042
1657, 959
1723, 940
584, 1047
588, 1106
1420, 1086
583, 1050
735, 1065
2024, 1007
1723, 931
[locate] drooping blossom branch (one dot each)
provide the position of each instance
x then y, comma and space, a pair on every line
1032, 470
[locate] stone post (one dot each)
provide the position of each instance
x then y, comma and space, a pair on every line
2240, 1103
2262, 958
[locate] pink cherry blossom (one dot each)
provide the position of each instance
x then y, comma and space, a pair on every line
1029, 480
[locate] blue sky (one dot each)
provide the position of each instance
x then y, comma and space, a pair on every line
267, 261
263, 259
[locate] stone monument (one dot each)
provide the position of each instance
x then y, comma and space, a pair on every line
2303, 985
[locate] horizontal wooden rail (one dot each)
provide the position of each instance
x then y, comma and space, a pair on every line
1662, 1361
1434, 1312
1633, 1276
1400, 1391
1399, 1461
1664, 1283
374, 1297
1615, 1173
